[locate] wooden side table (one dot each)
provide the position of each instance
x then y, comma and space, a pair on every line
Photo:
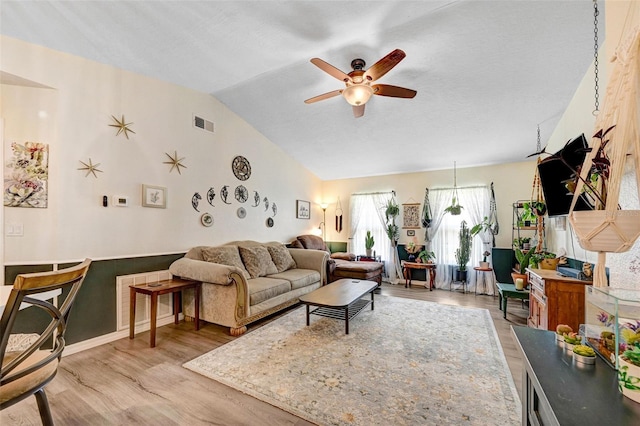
484, 271
156, 289
408, 266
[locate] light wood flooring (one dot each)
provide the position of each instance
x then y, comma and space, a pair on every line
126, 382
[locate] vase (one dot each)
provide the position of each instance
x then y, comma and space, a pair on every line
368, 252
484, 265
629, 379
412, 258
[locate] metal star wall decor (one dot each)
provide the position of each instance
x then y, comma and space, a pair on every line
90, 168
123, 127
175, 162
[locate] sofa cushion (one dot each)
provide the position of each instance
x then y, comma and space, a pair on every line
343, 256
298, 277
312, 242
263, 288
281, 257
225, 255
258, 261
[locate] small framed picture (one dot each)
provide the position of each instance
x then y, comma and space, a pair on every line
411, 233
154, 196
303, 209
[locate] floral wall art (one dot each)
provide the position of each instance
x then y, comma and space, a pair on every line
26, 175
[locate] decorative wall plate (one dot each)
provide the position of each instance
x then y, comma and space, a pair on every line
241, 168
241, 194
270, 222
241, 212
206, 219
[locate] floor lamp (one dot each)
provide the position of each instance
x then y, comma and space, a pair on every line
324, 206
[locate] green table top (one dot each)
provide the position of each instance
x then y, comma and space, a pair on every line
510, 289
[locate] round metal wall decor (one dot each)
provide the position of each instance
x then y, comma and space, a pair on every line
241, 168
241, 194
270, 222
241, 212
206, 219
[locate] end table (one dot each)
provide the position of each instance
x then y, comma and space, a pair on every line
156, 289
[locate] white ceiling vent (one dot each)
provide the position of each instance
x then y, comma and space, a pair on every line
202, 123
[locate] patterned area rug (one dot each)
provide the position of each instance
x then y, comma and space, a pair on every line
408, 362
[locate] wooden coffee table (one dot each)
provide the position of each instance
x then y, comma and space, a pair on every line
341, 299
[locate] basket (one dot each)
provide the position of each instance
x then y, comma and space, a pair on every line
549, 263
597, 232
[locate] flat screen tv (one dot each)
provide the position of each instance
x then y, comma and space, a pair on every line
555, 173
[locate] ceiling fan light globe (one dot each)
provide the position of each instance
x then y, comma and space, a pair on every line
357, 94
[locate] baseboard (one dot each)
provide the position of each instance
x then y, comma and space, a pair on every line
108, 338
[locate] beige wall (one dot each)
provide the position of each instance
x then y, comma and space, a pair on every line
73, 119
511, 182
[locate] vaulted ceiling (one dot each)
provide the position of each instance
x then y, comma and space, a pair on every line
486, 72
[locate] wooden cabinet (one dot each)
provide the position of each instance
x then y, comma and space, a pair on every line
555, 300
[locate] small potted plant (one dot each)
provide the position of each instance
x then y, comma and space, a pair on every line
523, 262
528, 216
412, 248
584, 354
368, 243
572, 339
426, 256
485, 263
463, 252
561, 331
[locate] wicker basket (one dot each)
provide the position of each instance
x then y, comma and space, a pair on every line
597, 233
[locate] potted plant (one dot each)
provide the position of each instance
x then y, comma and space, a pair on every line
391, 211
562, 330
485, 263
368, 243
528, 216
426, 256
572, 339
584, 354
412, 248
463, 252
523, 262
455, 209
483, 226
629, 373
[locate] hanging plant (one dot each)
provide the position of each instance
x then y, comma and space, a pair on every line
455, 209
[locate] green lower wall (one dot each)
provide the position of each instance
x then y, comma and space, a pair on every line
94, 311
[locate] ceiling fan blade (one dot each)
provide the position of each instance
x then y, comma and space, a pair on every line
384, 65
330, 69
393, 91
358, 111
323, 96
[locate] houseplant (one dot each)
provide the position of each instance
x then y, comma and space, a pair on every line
391, 211
368, 243
426, 256
523, 262
463, 252
484, 226
528, 217
412, 248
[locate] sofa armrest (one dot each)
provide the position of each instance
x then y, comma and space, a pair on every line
200, 270
311, 259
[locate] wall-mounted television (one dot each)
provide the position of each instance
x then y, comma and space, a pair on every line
556, 170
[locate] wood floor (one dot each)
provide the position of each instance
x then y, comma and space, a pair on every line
126, 382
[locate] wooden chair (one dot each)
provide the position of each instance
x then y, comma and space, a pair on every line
25, 372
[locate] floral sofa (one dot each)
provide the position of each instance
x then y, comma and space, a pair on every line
243, 281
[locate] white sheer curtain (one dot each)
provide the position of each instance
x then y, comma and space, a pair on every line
445, 229
367, 214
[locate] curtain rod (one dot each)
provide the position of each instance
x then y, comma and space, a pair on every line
461, 187
375, 193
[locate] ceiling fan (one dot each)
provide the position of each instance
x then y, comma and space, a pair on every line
358, 88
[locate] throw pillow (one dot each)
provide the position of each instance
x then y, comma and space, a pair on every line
258, 261
225, 255
281, 257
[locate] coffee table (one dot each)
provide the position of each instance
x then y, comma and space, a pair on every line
341, 299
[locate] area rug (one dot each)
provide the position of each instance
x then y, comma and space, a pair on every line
407, 362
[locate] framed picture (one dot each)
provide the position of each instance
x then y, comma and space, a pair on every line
411, 233
154, 196
303, 209
411, 218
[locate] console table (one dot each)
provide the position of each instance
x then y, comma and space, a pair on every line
558, 391
408, 266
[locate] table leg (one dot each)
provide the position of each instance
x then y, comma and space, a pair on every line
346, 320
372, 300
132, 312
504, 305
432, 274
154, 314
407, 274
176, 305
198, 290
307, 306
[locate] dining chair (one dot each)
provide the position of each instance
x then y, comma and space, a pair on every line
25, 372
